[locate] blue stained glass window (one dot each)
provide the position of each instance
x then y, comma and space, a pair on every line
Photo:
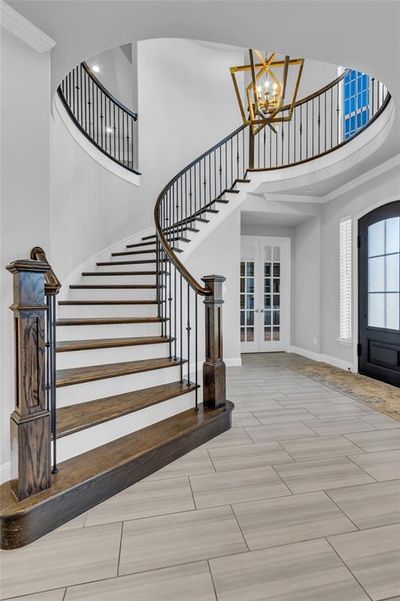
356, 102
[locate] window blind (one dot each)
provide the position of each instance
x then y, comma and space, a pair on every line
345, 318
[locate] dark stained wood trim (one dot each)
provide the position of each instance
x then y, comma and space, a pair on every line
64, 346
117, 273
80, 416
102, 321
93, 477
91, 373
69, 303
113, 286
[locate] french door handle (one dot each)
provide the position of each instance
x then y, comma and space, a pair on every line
262, 311
255, 310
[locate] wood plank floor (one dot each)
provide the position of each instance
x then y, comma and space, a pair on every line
299, 501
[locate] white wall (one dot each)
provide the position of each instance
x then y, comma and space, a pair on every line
306, 273
25, 212
354, 203
220, 254
117, 74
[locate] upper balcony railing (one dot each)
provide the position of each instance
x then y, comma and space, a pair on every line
321, 122
103, 119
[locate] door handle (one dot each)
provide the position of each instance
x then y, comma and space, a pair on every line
262, 310
255, 310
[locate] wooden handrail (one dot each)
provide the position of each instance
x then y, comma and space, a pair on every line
52, 283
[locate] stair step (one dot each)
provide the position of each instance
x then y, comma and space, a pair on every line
113, 286
78, 375
241, 181
138, 244
178, 228
85, 415
208, 210
139, 262
100, 321
111, 273
201, 219
124, 252
107, 302
92, 477
64, 346
222, 201
231, 192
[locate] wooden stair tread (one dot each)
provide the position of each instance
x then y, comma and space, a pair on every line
112, 286
112, 273
96, 321
90, 478
91, 413
107, 302
91, 373
139, 244
137, 262
64, 346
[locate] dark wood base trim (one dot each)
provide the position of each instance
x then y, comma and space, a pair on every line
23, 526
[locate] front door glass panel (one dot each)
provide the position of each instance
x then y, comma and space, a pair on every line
384, 274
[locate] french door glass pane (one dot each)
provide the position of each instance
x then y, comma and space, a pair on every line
384, 274
247, 299
272, 284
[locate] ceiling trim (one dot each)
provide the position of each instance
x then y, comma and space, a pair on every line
362, 179
23, 29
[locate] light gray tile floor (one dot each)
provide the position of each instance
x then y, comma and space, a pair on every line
298, 502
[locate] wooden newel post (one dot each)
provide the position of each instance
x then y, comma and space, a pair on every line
214, 377
30, 421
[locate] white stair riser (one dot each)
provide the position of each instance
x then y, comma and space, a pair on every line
111, 355
129, 267
124, 330
112, 293
88, 391
118, 279
91, 438
106, 311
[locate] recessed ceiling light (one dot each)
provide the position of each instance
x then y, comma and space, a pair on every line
96, 69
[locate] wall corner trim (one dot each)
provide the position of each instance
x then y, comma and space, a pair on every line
23, 29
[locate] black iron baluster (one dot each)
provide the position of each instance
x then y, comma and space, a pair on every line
319, 124
196, 348
188, 328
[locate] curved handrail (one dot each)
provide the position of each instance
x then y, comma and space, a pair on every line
100, 117
173, 213
162, 237
92, 76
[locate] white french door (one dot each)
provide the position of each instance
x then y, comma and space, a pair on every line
264, 294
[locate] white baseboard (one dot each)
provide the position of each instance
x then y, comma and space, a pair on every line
4, 472
322, 358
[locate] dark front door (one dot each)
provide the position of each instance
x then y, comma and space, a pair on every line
379, 293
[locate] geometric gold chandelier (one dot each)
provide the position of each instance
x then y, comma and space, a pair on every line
264, 96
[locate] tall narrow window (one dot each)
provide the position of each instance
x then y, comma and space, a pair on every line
345, 280
356, 102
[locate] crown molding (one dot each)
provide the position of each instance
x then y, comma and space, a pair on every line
23, 29
388, 165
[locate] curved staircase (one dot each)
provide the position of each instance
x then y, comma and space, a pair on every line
125, 341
